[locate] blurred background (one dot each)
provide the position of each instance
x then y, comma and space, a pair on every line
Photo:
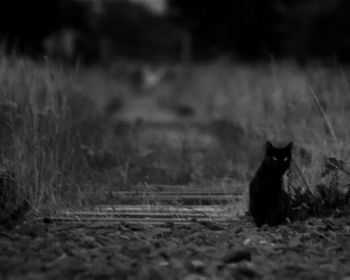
106, 94
96, 31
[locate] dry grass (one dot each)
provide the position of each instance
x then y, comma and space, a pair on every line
66, 131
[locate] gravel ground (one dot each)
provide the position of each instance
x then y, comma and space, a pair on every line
314, 249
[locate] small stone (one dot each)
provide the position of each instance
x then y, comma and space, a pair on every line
246, 241
197, 266
237, 256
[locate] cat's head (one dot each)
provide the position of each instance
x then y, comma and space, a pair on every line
278, 158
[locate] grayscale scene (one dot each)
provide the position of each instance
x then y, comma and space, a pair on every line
174, 139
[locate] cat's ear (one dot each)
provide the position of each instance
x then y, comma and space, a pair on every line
268, 146
289, 146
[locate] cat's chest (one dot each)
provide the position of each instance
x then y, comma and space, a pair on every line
267, 187
269, 179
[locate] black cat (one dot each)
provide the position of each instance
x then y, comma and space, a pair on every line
268, 201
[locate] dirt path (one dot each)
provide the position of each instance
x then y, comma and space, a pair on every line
315, 249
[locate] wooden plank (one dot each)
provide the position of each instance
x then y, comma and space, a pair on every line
154, 223
134, 213
170, 196
234, 189
143, 215
175, 196
134, 220
175, 192
160, 207
140, 212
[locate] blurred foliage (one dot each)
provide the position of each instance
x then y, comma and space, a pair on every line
250, 29
134, 31
243, 26
24, 24
257, 29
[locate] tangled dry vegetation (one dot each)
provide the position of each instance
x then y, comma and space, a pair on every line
64, 131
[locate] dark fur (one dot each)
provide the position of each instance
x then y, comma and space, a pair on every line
268, 201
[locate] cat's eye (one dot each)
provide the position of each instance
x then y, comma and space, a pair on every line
285, 159
274, 158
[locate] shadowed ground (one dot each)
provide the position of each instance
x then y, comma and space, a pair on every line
317, 249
